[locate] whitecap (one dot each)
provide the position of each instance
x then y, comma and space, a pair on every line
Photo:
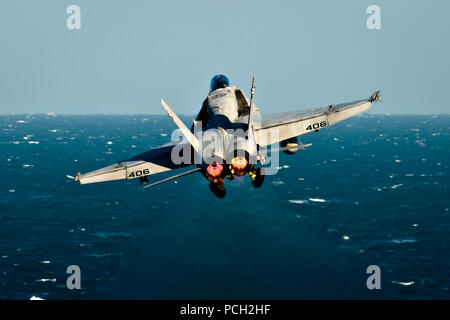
28, 165
277, 182
396, 160
396, 186
317, 200
420, 142
45, 261
36, 298
47, 280
404, 283
298, 201
109, 142
21, 121
12, 190
33, 142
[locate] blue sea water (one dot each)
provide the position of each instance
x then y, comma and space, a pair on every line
373, 190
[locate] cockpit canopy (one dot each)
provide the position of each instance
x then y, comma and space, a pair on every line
219, 81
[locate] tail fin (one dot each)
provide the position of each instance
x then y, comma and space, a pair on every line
184, 130
250, 115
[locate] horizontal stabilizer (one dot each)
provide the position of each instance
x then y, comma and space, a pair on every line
173, 177
279, 149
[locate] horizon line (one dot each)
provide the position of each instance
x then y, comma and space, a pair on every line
52, 114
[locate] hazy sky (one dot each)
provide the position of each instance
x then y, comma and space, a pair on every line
129, 54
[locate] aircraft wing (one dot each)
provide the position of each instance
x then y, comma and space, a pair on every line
281, 126
151, 162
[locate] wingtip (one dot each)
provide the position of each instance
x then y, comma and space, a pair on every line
76, 178
375, 97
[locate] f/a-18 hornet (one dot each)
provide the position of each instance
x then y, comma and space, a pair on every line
228, 138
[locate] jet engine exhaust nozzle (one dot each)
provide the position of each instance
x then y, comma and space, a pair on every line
239, 163
214, 170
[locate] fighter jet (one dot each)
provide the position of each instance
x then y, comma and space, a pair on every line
229, 137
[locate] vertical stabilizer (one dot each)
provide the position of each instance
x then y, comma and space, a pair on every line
184, 130
250, 115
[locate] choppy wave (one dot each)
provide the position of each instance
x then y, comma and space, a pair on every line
309, 200
376, 195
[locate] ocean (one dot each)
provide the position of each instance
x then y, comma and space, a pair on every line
371, 190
